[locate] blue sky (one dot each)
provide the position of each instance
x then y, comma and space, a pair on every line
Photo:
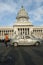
10, 8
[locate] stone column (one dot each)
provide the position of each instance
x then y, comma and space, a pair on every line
30, 31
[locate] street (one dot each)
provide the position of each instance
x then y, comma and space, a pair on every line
23, 55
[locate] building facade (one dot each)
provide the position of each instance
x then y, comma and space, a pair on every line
22, 27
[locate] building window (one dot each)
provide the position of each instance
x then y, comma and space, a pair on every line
33, 30
23, 29
21, 32
12, 30
0, 32
18, 29
28, 31
41, 30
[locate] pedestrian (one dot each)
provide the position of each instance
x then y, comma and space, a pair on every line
6, 43
6, 40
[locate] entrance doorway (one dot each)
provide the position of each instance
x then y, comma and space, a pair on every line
22, 32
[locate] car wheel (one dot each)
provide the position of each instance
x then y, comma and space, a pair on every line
37, 43
15, 44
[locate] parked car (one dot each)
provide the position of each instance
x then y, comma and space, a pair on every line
28, 40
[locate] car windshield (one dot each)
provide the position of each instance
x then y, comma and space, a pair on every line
27, 37
30, 37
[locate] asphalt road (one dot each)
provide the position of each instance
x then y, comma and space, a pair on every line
28, 55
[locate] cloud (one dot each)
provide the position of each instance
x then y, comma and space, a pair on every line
38, 2
41, 25
7, 8
25, 2
37, 14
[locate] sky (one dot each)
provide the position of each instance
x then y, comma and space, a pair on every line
10, 8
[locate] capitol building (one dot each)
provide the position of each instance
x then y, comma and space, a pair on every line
22, 27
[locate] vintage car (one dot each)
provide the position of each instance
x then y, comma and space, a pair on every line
28, 40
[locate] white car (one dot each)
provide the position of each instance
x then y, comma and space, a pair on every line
28, 40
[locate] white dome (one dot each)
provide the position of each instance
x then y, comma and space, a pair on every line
22, 13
